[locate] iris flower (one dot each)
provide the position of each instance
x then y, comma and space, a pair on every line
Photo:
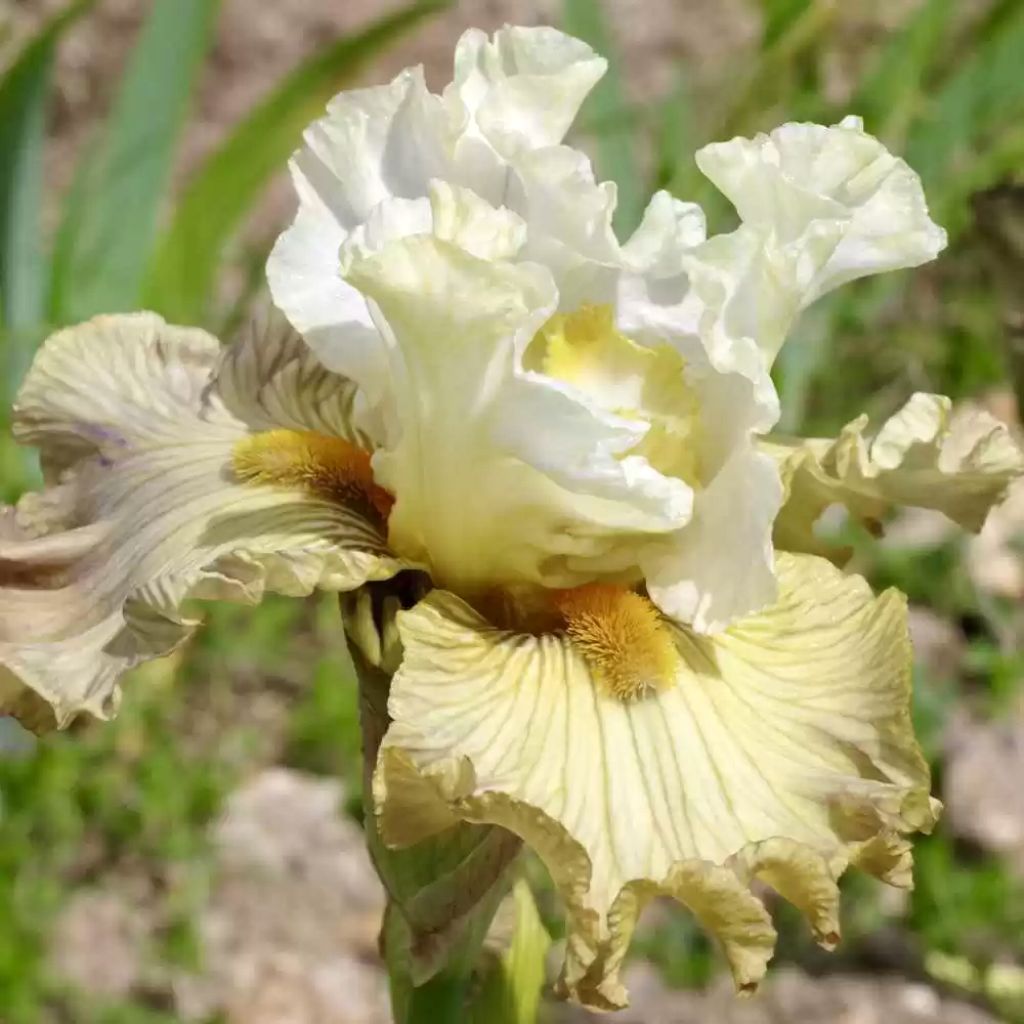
633, 652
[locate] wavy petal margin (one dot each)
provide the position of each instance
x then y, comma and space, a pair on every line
784, 752
136, 422
828, 205
960, 463
523, 86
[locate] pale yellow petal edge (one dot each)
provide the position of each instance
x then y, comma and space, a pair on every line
717, 894
960, 462
413, 803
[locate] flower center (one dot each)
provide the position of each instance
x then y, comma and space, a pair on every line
621, 637
318, 464
584, 348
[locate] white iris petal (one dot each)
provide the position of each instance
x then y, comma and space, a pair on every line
827, 206
540, 477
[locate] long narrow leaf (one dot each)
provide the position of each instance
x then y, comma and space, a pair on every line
889, 94
511, 989
24, 91
779, 16
774, 77
676, 136
982, 99
106, 241
616, 139
225, 188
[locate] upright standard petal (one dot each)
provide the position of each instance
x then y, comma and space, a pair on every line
374, 144
176, 469
524, 86
514, 92
719, 567
829, 205
926, 455
641, 759
501, 475
722, 565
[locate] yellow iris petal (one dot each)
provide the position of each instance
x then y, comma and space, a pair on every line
781, 750
585, 348
927, 455
158, 446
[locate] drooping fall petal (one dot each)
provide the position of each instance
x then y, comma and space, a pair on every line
781, 748
175, 469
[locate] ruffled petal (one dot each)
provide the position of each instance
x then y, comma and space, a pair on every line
714, 312
781, 749
569, 221
139, 424
926, 455
721, 566
524, 86
519, 90
374, 144
501, 475
830, 205
669, 228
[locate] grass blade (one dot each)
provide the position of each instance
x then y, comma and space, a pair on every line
675, 140
214, 204
616, 140
983, 99
779, 16
779, 76
24, 91
890, 93
107, 237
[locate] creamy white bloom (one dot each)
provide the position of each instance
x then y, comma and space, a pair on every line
555, 442
959, 463
820, 207
550, 405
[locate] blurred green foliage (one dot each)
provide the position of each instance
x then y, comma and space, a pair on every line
944, 87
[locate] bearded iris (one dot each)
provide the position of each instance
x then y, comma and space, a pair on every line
633, 651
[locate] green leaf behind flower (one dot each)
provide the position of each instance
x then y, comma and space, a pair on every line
511, 991
606, 111
24, 91
113, 211
24, 267
188, 258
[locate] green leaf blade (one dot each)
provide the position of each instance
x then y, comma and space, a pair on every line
607, 109
889, 94
779, 17
24, 92
512, 988
978, 104
24, 268
113, 212
216, 201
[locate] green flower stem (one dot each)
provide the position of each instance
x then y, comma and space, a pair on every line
443, 891
438, 1001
